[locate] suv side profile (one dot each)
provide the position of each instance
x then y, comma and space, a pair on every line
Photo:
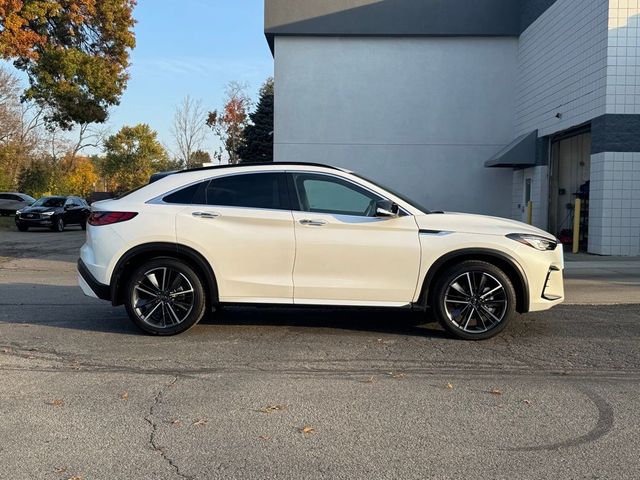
306, 234
11, 202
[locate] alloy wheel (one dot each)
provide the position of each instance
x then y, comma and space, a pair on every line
163, 297
475, 302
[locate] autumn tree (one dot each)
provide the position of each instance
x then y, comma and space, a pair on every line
20, 131
189, 129
132, 155
229, 123
74, 52
76, 176
200, 157
257, 144
37, 179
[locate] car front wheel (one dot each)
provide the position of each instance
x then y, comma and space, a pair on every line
58, 225
474, 300
165, 297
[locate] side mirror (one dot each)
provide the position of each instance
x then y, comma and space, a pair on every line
386, 208
67, 207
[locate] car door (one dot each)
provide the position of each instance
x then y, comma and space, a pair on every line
243, 224
72, 211
344, 253
68, 212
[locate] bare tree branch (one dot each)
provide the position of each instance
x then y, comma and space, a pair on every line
189, 129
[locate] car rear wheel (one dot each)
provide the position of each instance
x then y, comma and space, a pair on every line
474, 300
58, 225
165, 297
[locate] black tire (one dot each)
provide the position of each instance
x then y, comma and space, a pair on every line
83, 225
22, 228
481, 315
155, 324
58, 225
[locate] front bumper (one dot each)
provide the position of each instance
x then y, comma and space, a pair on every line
35, 222
90, 286
546, 279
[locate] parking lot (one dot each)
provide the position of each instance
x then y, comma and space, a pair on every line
310, 394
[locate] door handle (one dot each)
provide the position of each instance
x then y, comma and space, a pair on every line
208, 215
313, 223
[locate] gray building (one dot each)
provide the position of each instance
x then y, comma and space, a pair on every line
471, 105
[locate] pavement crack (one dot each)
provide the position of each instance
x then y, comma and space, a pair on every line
158, 399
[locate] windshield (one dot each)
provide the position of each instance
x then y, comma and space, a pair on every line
402, 197
50, 202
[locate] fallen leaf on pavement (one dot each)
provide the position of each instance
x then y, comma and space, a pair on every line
449, 386
528, 402
55, 403
75, 477
6, 350
175, 422
60, 470
264, 437
200, 423
272, 408
124, 396
496, 391
370, 380
399, 375
307, 430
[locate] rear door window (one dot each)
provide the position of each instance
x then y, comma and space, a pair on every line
191, 195
250, 190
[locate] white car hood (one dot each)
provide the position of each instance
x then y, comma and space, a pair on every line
479, 224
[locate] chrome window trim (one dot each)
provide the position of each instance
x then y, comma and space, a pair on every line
159, 200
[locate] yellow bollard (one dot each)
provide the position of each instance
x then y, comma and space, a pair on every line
576, 226
530, 213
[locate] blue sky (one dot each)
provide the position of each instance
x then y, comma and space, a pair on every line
191, 47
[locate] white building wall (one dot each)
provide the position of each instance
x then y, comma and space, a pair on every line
539, 195
614, 213
563, 67
419, 114
614, 209
623, 59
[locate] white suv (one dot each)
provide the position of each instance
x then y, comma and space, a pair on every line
305, 234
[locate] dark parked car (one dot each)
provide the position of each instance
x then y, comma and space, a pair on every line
54, 213
10, 202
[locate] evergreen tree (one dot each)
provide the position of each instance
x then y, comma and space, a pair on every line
258, 136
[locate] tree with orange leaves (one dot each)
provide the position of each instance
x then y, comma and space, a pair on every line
75, 53
229, 124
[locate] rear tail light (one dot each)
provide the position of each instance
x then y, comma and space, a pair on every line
98, 219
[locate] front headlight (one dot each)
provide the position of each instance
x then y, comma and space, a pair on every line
48, 214
535, 241
18, 212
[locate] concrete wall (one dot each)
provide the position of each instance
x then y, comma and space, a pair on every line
563, 67
419, 114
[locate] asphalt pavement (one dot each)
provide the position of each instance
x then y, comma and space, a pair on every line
318, 394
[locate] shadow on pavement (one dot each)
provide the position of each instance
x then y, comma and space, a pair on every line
65, 307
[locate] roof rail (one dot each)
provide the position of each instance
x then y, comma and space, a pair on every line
262, 164
159, 175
